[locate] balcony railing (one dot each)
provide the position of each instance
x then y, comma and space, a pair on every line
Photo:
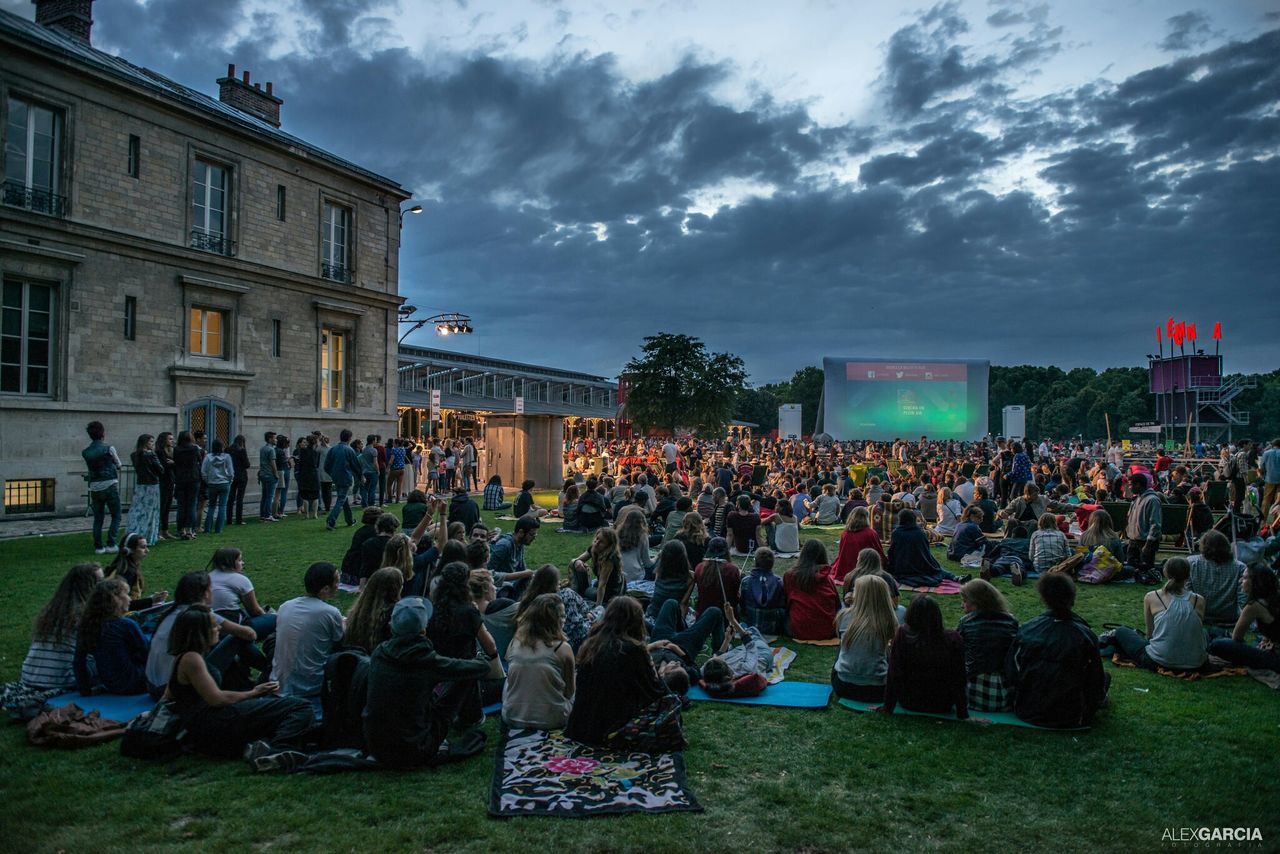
335, 272
208, 241
34, 199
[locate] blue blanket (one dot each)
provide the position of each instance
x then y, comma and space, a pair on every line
114, 707
998, 718
796, 695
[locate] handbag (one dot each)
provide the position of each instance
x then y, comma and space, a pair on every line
155, 735
656, 729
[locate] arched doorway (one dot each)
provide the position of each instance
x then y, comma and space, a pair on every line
215, 417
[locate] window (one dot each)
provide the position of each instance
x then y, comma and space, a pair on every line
333, 369
280, 194
31, 158
335, 256
29, 495
275, 338
208, 333
135, 156
209, 208
26, 338
130, 318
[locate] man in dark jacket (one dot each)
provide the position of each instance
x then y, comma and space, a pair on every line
463, 509
405, 720
1053, 665
343, 466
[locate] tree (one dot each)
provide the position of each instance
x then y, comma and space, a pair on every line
676, 382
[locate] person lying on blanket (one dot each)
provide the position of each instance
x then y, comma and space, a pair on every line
740, 671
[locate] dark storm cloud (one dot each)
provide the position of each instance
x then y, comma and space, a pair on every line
1187, 31
1165, 198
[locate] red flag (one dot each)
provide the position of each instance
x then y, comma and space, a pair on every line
1191, 331
1159, 336
1168, 328
1178, 332
1217, 332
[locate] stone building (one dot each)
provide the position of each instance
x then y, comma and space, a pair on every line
172, 261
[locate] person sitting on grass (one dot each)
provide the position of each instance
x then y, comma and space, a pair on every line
782, 530
495, 497
415, 507
353, 560
605, 559
673, 580
824, 509
524, 504
578, 615
456, 628
812, 600
229, 660
762, 596
866, 627
948, 510
593, 510
742, 527
926, 664
540, 668
1261, 609
569, 510
127, 565
1048, 545
717, 580
414, 692
1175, 637
307, 629
222, 723
856, 536
111, 650
988, 630
910, 560
1101, 533
693, 534
462, 508
1215, 575
968, 537
1054, 667
617, 684
50, 662
990, 510
369, 618
506, 557
869, 564
233, 594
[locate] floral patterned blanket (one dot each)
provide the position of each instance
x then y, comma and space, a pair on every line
544, 773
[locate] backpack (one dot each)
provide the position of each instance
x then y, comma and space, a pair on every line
155, 735
342, 698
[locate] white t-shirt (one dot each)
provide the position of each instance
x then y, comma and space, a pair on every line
307, 629
670, 452
229, 588
159, 661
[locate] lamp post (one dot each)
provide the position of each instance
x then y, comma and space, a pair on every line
447, 323
416, 209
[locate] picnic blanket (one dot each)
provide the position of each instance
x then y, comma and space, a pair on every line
823, 642
113, 707
997, 718
1209, 670
946, 588
544, 773
794, 695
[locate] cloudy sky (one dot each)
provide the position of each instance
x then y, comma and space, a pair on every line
1019, 181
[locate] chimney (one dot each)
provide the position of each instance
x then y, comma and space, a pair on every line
73, 17
249, 97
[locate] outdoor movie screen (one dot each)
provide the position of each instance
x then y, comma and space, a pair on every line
885, 399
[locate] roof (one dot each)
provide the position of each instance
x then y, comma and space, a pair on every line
66, 47
497, 406
420, 355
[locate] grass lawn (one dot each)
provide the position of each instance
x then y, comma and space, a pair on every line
1167, 754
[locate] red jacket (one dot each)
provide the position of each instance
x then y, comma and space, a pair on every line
851, 545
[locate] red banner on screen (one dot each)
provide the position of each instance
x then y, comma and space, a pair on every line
924, 372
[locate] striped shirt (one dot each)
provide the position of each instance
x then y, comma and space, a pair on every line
50, 664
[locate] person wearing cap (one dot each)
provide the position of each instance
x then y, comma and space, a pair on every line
405, 718
716, 579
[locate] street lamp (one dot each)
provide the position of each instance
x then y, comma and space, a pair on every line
448, 323
416, 209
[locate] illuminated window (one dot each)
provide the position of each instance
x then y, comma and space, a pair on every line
207, 333
333, 369
32, 495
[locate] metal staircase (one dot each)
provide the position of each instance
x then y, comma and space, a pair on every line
1220, 399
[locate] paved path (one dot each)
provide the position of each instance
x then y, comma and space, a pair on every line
46, 527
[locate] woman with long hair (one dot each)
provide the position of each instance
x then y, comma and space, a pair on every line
856, 536
219, 722
457, 626
783, 529
306, 470
948, 513
539, 688
127, 565
164, 451
910, 560
869, 564
1101, 531
1262, 607
673, 580
229, 660
399, 553
240, 482
186, 483
1175, 637
50, 661
812, 601
369, 620
633, 541
616, 679
926, 664
604, 559
144, 511
579, 615
116, 643
693, 534
988, 630
865, 629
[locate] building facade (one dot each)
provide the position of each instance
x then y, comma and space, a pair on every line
172, 261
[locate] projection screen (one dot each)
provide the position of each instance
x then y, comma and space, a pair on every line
885, 399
